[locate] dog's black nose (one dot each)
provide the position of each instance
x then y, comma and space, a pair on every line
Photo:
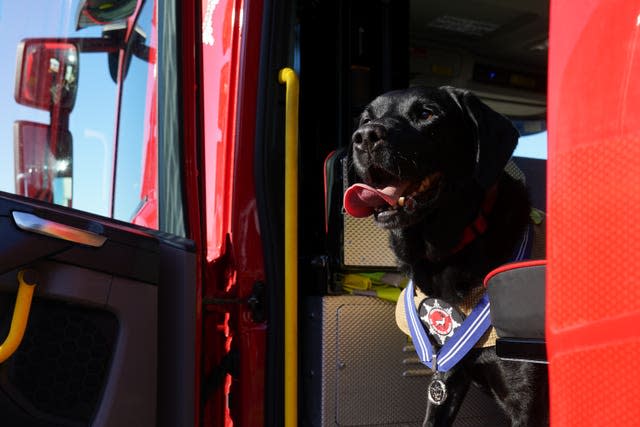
369, 135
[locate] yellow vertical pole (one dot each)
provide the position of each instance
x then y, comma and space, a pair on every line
288, 77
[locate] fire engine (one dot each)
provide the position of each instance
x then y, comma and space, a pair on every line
173, 250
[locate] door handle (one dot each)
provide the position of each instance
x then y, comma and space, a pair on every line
33, 223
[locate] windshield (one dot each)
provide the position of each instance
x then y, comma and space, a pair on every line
96, 149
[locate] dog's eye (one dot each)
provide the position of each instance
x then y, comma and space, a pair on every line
425, 114
364, 121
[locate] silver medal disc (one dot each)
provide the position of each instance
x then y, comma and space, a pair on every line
437, 392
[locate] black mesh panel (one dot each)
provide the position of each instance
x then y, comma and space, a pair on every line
58, 373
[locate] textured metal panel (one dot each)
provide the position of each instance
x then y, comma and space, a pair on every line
370, 386
512, 169
370, 375
366, 244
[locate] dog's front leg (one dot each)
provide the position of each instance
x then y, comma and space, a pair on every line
457, 382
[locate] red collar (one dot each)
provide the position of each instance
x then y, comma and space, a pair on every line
479, 225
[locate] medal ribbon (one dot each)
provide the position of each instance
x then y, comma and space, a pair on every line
471, 330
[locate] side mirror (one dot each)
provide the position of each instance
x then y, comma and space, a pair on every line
43, 162
101, 12
47, 74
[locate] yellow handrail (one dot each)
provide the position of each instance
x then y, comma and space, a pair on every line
20, 317
288, 77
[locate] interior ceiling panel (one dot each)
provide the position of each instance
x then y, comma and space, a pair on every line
501, 30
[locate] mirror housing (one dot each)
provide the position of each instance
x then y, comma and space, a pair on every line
101, 12
43, 162
47, 74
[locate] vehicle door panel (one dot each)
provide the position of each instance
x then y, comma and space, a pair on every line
90, 354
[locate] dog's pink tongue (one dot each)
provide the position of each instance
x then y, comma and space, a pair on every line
360, 200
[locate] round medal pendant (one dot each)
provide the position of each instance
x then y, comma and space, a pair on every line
441, 318
437, 392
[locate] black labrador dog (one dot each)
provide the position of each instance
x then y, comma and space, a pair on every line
432, 161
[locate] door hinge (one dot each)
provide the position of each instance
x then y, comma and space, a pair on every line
255, 301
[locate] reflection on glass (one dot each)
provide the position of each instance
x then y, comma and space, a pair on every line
43, 162
58, 136
47, 75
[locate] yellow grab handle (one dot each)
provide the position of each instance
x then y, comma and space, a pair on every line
290, 79
20, 315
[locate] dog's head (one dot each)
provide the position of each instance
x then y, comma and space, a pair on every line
413, 143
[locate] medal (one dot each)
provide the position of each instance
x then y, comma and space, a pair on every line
441, 318
437, 391
436, 320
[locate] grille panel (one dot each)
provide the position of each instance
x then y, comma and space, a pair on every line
61, 367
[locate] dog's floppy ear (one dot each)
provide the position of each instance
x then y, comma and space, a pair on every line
495, 135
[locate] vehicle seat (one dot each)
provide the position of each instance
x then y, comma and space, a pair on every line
517, 297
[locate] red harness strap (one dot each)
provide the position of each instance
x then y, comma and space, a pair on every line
479, 225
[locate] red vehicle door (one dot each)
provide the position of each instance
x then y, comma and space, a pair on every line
110, 334
593, 306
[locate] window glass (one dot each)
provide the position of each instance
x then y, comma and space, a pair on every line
136, 177
61, 108
91, 125
533, 146
533, 138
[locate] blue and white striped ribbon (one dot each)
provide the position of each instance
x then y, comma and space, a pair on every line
523, 250
471, 330
418, 335
473, 327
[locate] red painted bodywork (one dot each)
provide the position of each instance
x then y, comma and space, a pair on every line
593, 297
245, 234
233, 262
